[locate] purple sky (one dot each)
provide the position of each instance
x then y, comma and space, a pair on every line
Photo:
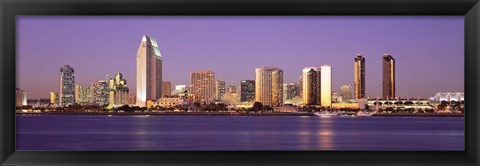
429, 50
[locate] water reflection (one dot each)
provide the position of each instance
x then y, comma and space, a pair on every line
325, 135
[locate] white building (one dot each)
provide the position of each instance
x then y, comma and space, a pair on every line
449, 96
149, 71
167, 102
326, 85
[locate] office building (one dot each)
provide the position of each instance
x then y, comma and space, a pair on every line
232, 89
149, 71
118, 94
247, 90
326, 85
101, 93
388, 76
359, 76
269, 86
53, 98
83, 95
20, 97
67, 86
311, 85
166, 88
203, 86
345, 93
219, 89
290, 91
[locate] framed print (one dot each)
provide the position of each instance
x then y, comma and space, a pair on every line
254, 82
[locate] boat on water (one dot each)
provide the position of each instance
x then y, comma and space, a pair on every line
364, 113
326, 114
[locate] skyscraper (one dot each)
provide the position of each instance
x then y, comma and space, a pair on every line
346, 93
83, 95
203, 86
269, 86
359, 76
53, 98
21, 97
149, 71
118, 91
290, 91
277, 85
247, 90
326, 85
388, 76
101, 93
166, 88
311, 85
67, 86
219, 89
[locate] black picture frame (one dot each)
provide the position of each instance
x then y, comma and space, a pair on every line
9, 9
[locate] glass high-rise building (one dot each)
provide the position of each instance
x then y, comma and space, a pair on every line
67, 86
269, 86
388, 76
118, 91
311, 85
326, 85
219, 89
247, 90
290, 91
203, 86
149, 71
359, 76
101, 93
83, 95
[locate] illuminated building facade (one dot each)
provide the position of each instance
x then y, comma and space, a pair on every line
232, 89
203, 86
67, 86
388, 76
326, 85
311, 85
290, 91
83, 95
346, 93
118, 94
219, 89
149, 71
20, 97
359, 76
53, 98
101, 93
247, 90
269, 86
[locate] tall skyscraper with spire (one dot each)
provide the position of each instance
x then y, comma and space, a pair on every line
359, 76
388, 76
149, 71
67, 86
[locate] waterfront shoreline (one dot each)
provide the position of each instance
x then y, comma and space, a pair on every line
235, 114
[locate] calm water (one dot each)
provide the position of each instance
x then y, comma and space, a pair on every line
56, 132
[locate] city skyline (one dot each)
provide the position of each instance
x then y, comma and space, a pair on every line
342, 74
